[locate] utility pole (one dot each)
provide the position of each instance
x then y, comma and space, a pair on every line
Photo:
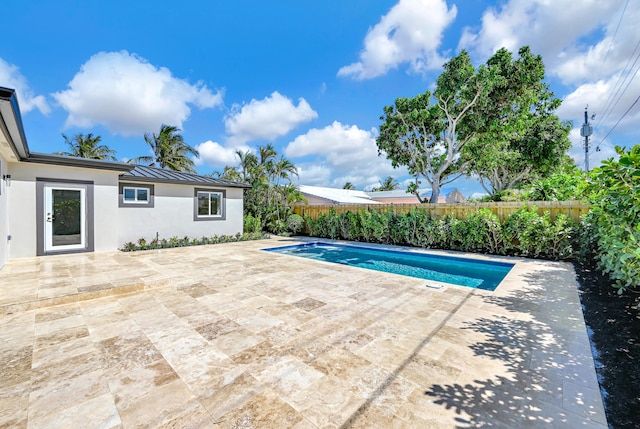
585, 132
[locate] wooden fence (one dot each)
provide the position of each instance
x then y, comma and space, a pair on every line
573, 209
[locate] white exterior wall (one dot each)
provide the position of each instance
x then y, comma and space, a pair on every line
22, 204
4, 213
172, 215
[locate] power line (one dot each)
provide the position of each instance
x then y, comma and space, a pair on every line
621, 118
614, 38
615, 94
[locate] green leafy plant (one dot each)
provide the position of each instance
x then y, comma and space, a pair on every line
129, 247
614, 218
524, 233
177, 242
252, 224
295, 224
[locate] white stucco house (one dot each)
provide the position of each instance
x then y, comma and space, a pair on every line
53, 204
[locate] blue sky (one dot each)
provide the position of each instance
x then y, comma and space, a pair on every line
310, 77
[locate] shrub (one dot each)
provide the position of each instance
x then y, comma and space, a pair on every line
186, 241
524, 233
374, 226
252, 224
295, 224
560, 239
478, 232
614, 218
129, 247
277, 226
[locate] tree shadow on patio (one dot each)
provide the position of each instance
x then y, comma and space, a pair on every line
541, 345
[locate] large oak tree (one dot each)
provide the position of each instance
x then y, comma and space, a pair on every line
524, 140
476, 121
427, 133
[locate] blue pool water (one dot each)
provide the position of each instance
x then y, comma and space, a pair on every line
449, 269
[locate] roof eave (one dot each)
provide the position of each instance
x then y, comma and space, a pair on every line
11, 123
68, 161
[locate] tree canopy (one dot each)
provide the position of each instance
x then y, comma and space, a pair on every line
524, 140
272, 192
169, 150
495, 122
427, 133
88, 146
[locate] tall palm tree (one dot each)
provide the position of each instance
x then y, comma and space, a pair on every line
268, 160
88, 146
389, 184
348, 185
169, 150
229, 173
248, 164
284, 169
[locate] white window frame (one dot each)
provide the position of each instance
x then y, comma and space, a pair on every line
136, 200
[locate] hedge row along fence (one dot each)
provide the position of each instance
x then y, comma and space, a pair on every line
524, 232
572, 209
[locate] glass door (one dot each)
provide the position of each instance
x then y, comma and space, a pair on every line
64, 217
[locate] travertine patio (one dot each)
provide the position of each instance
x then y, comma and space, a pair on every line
229, 336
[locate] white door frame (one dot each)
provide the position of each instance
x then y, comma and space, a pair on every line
49, 245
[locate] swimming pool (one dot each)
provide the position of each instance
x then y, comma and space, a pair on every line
473, 273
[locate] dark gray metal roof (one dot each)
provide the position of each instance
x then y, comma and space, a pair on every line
71, 161
143, 173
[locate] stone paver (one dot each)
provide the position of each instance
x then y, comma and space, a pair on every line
230, 336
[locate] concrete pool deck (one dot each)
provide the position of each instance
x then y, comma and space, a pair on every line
230, 336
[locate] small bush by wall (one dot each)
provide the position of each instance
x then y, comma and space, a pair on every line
166, 243
524, 232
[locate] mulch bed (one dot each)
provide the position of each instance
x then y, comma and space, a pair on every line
615, 324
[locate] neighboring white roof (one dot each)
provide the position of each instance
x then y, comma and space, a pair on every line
338, 196
398, 193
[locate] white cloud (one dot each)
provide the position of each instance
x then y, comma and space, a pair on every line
348, 153
598, 96
214, 154
557, 30
130, 96
577, 43
10, 77
411, 32
271, 117
313, 174
604, 57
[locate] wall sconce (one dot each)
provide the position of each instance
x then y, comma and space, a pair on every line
7, 179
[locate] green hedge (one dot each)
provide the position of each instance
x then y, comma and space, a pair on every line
524, 233
165, 243
612, 226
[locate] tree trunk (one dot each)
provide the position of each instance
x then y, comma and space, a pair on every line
435, 191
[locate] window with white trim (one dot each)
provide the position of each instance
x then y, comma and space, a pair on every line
136, 195
209, 204
131, 195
